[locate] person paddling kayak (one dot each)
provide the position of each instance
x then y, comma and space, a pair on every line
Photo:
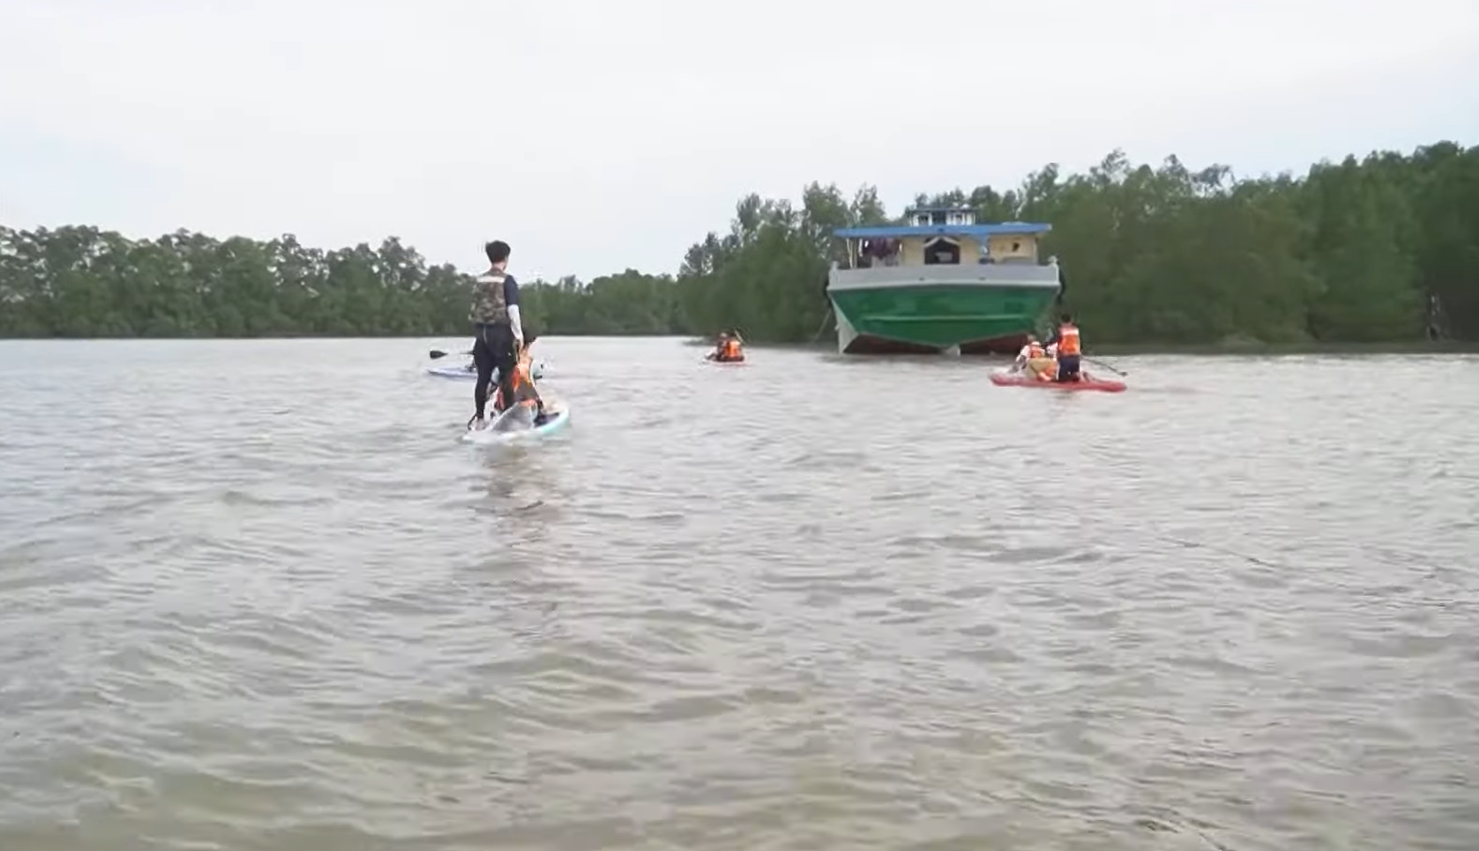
729, 348
1066, 342
495, 319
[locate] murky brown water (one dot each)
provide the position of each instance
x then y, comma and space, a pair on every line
256, 595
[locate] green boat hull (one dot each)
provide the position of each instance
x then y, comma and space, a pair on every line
926, 318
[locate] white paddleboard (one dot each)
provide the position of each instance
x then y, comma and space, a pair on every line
470, 374
498, 432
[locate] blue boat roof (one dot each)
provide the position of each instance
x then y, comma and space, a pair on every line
975, 231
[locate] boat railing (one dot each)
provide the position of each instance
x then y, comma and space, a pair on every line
999, 274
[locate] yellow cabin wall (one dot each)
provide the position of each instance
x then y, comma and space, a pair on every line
1000, 246
911, 252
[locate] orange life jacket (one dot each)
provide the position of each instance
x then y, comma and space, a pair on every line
731, 348
1068, 340
521, 384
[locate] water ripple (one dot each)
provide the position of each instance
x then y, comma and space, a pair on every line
1230, 609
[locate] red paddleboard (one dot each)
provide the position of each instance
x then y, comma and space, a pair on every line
1085, 382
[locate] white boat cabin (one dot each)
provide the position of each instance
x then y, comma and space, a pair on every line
942, 236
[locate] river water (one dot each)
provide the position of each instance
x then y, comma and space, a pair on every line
258, 595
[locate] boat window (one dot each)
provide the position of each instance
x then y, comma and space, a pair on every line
941, 252
878, 252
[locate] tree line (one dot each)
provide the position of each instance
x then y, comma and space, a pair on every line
1382, 249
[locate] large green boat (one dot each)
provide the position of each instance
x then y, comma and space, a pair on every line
941, 283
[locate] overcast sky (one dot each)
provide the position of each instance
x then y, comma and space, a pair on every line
594, 135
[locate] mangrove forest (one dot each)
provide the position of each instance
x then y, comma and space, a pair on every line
1383, 249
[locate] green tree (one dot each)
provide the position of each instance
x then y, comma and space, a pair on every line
1385, 248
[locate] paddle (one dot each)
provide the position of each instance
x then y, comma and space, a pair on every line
438, 353
1106, 366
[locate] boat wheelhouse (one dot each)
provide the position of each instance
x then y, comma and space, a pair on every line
940, 283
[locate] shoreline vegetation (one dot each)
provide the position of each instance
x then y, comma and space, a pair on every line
1376, 255
1104, 350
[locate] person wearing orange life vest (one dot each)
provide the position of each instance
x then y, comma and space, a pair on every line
1032, 349
728, 348
1069, 349
1033, 358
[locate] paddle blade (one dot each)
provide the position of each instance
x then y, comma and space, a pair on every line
437, 353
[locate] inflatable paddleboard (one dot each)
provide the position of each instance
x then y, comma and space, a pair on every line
492, 435
1007, 378
470, 373
449, 371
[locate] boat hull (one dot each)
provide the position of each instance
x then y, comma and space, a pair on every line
928, 310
